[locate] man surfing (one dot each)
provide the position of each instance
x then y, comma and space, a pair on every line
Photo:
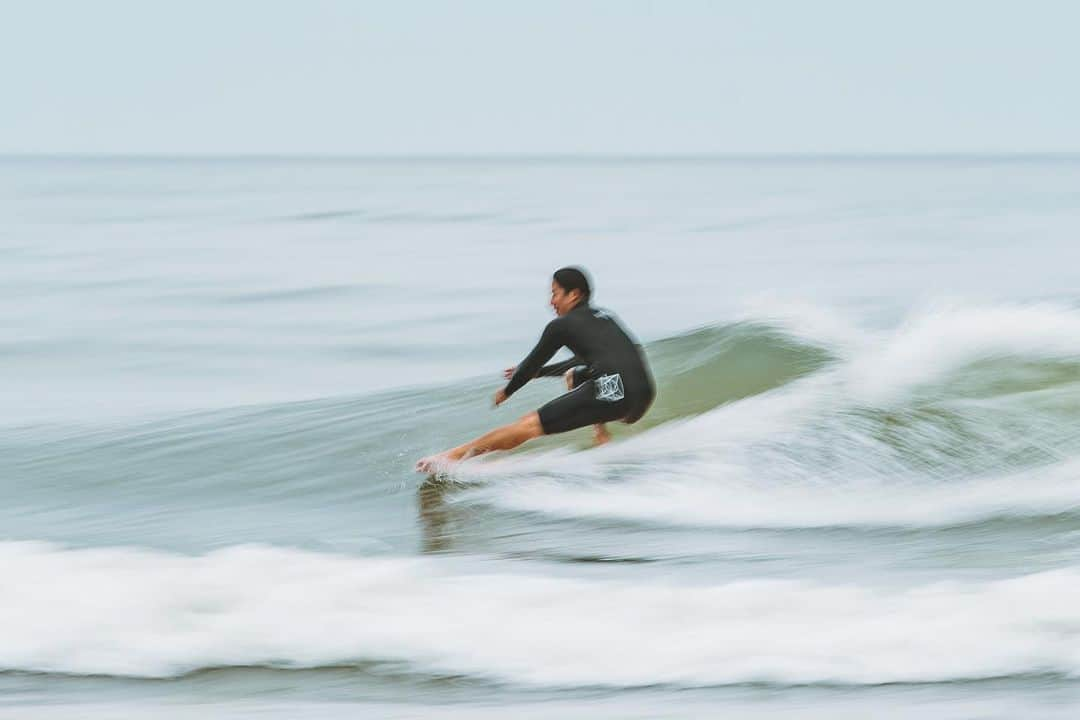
608, 377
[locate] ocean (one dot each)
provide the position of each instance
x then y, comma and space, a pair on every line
857, 494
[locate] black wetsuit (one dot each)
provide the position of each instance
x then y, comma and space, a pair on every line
613, 384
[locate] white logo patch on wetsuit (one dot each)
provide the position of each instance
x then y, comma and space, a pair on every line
610, 388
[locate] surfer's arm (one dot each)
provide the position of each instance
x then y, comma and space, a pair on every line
552, 370
549, 344
556, 369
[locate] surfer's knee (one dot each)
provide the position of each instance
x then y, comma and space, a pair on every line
530, 425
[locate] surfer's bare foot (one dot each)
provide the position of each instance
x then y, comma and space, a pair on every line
432, 463
600, 435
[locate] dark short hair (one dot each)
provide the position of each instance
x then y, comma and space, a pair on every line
574, 278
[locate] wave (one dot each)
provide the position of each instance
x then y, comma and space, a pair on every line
960, 415
703, 369
139, 613
778, 421
941, 353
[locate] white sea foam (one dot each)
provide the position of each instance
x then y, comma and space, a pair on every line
149, 614
715, 493
943, 339
932, 341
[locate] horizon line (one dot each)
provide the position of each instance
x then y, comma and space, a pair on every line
549, 157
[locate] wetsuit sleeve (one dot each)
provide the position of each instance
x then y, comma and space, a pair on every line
560, 367
549, 344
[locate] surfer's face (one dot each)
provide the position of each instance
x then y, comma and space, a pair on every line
563, 301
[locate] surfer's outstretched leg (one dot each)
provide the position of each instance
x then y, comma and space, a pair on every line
504, 438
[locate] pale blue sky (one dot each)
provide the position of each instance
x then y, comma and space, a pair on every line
478, 76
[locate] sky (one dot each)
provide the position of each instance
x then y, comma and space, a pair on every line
414, 77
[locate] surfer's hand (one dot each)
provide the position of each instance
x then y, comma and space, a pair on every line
509, 372
500, 397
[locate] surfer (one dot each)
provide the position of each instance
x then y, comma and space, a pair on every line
608, 377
